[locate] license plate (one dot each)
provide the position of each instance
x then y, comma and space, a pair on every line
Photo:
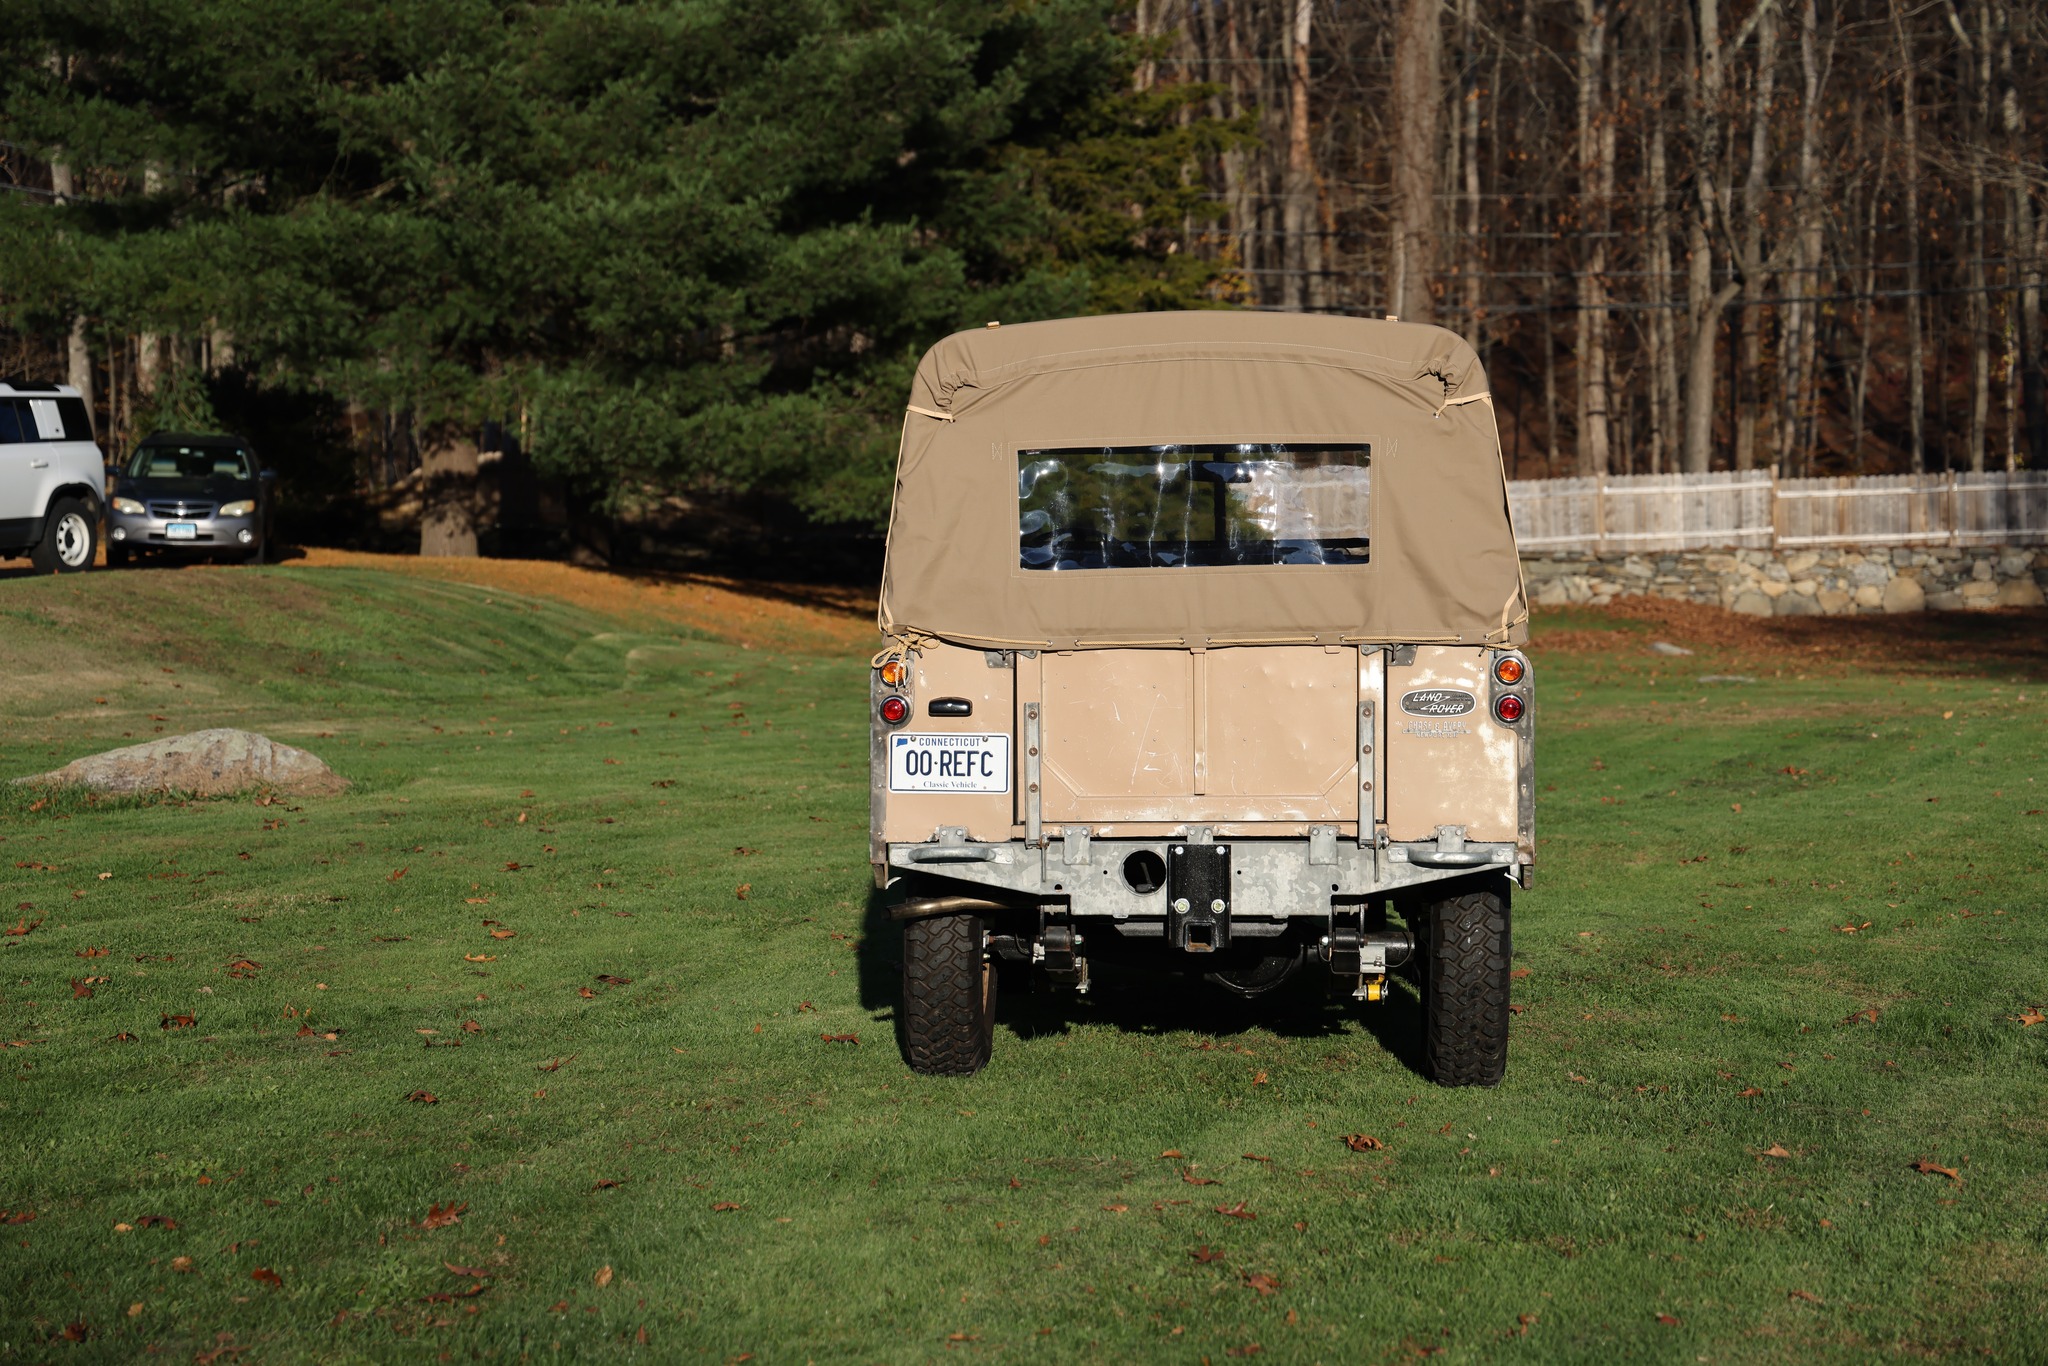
181, 531
949, 763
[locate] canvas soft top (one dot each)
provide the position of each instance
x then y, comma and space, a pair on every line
1443, 565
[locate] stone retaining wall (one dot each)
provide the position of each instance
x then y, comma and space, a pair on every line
1833, 582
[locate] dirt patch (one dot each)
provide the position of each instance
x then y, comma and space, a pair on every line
1919, 642
795, 617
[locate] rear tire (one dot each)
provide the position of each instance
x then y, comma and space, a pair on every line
70, 536
949, 996
1465, 986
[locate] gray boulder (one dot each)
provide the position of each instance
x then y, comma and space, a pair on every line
206, 763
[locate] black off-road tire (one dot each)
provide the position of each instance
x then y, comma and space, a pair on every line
71, 534
949, 996
1465, 986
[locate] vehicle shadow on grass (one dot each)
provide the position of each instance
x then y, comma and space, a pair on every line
1149, 1002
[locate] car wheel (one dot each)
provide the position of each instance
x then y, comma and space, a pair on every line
70, 537
1465, 987
949, 996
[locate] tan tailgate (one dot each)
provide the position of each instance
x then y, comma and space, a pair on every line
1252, 734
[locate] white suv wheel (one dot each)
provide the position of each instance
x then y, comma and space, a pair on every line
74, 540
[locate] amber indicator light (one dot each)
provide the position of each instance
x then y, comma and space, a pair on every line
895, 710
895, 673
1509, 708
1508, 670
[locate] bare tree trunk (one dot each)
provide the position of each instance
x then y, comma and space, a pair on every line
1703, 301
1418, 108
1916, 358
1749, 401
149, 347
1473, 264
448, 470
1304, 245
2026, 248
1979, 302
1596, 173
77, 350
1859, 393
1664, 396
1551, 447
1802, 317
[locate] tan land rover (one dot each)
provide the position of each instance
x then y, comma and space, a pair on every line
1203, 647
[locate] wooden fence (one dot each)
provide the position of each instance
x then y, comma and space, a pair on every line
1638, 512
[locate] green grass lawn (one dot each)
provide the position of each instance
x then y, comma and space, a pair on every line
565, 956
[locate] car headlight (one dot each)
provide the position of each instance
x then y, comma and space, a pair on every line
241, 509
129, 506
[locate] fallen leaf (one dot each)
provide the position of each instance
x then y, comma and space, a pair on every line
504, 934
1205, 1253
512, 867
1250, 1349
267, 1276
90, 953
741, 891
1254, 1157
1259, 1079
441, 1216
1806, 1295
1518, 973
479, 957
77, 1332
177, 1022
1173, 1153
1262, 1283
586, 993
1115, 1209
465, 1270
397, 875
726, 1207
424, 1098
1187, 1174
181, 1263
840, 1038
555, 1064
1775, 1150
1736, 807
1935, 1168
1867, 1013
1671, 1320
1750, 1091
79, 990
472, 1027
2032, 1016
1236, 1211
603, 1277
1362, 1143
612, 981
156, 1221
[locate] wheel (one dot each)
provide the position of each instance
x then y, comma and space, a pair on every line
117, 554
69, 539
1465, 986
949, 996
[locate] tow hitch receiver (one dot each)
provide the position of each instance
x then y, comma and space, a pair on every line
1198, 897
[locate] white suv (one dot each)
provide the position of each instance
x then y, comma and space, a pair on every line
51, 477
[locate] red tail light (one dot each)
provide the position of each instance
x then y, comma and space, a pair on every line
1508, 708
895, 710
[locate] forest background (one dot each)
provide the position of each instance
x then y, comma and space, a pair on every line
687, 252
